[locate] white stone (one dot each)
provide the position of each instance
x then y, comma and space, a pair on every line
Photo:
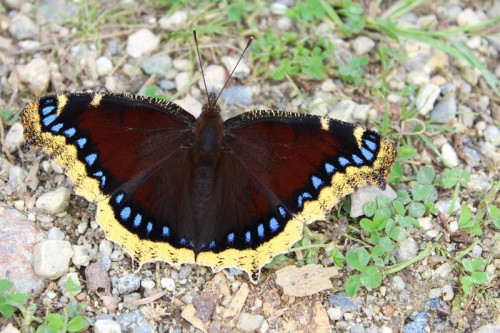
248, 322
19, 205
55, 234
426, 98
182, 81
444, 270
53, 202
284, 23
278, 8
51, 258
168, 283
190, 104
434, 293
492, 134
81, 255
106, 326
398, 283
36, 75
385, 329
447, 292
181, 65
173, 22
449, 154
362, 45
444, 205
407, 249
10, 329
468, 17
142, 43
147, 284
106, 247
15, 137
334, 313
215, 76
241, 71
418, 78
104, 66
453, 226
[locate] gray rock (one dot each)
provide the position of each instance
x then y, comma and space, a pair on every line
106, 326
248, 322
368, 193
36, 75
81, 255
407, 249
426, 98
444, 205
167, 85
397, 283
447, 292
18, 238
492, 135
22, 27
349, 111
362, 45
141, 43
468, 17
173, 22
472, 156
190, 104
284, 23
215, 76
449, 155
237, 95
444, 270
418, 324
434, 293
185, 271
53, 202
240, 72
104, 66
134, 322
16, 180
15, 137
467, 115
182, 80
51, 258
128, 284
55, 234
344, 302
489, 328
445, 111
106, 247
157, 65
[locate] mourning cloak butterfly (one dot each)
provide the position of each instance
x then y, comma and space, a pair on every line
173, 187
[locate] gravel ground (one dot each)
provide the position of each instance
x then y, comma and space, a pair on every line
48, 234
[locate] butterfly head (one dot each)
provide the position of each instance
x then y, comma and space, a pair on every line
211, 106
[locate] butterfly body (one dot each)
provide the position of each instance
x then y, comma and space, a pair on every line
173, 187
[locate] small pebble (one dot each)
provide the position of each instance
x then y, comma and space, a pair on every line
447, 292
467, 18
106, 247
173, 22
181, 65
128, 284
334, 314
22, 27
492, 135
53, 202
426, 97
397, 283
157, 65
215, 77
248, 322
444, 270
106, 326
444, 206
453, 226
278, 8
81, 255
449, 155
240, 72
51, 258
445, 110
362, 45
36, 75
147, 284
407, 249
434, 293
142, 43
477, 251
14, 139
104, 66
284, 23
182, 80
168, 283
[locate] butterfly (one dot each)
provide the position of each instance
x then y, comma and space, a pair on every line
172, 187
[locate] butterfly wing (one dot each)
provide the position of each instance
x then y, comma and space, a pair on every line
287, 170
111, 147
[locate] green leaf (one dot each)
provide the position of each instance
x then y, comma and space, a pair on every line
398, 207
406, 152
4, 285
54, 321
426, 175
338, 258
495, 216
449, 178
403, 196
416, 209
352, 284
371, 277
467, 264
479, 277
77, 324
420, 192
398, 234
6, 310
369, 208
467, 284
386, 243
396, 173
358, 259
16, 298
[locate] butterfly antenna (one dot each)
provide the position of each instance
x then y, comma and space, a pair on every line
230, 75
199, 59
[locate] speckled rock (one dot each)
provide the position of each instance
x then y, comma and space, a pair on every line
36, 75
407, 249
22, 27
81, 255
51, 258
248, 322
53, 202
141, 43
15, 137
106, 326
128, 284
418, 324
134, 322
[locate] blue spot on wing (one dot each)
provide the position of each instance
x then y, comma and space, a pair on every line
248, 237
49, 119
371, 145
273, 224
48, 109
329, 168
70, 132
317, 182
91, 158
165, 232
48, 101
137, 220
182, 241
119, 198
282, 211
357, 159
260, 230
125, 213
230, 238
98, 173
149, 227
211, 245
56, 128
81, 142
367, 154
344, 161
